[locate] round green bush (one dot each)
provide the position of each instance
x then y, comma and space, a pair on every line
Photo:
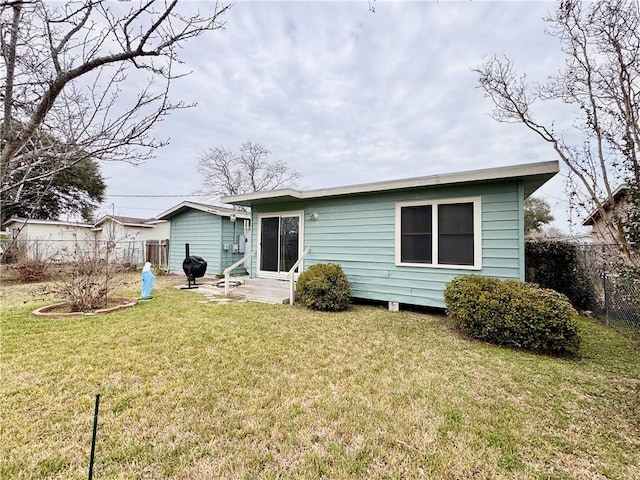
513, 313
324, 286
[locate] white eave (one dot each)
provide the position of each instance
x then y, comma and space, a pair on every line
124, 221
47, 222
212, 209
534, 176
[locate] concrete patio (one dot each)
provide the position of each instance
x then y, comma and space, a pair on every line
247, 289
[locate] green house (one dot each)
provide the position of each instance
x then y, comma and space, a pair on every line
219, 235
399, 241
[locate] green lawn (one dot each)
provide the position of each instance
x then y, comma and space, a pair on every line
195, 390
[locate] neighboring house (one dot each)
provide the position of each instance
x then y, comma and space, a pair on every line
601, 231
552, 234
49, 238
57, 239
217, 234
112, 227
603, 235
400, 241
131, 235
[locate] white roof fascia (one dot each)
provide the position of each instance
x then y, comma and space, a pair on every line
142, 225
284, 192
117, 220
220, 211
47, 222
496, 173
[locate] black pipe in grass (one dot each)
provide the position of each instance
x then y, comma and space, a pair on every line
93, 438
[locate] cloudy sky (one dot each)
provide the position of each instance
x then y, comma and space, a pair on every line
347, 96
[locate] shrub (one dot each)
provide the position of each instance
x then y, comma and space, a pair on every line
31, 262
513, 314
88, 278
557, 265
158, 270
324, 286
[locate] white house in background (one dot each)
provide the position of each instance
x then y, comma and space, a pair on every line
127, 237
123, 229
130, 235
52, 238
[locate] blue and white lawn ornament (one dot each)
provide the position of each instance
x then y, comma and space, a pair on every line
148, 279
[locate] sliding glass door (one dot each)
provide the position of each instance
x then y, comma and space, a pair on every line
279, 242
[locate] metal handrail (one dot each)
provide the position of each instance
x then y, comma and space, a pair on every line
227, 271
291, 276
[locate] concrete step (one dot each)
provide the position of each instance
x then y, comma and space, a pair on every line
264, 290
274, 300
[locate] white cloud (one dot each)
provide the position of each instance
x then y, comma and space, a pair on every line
347, 96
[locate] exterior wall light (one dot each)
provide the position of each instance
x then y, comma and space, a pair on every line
312, 216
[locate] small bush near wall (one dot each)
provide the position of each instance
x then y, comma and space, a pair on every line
513, 314
556, 265
32, 262
324, 286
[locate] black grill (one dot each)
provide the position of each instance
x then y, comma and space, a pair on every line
193, 266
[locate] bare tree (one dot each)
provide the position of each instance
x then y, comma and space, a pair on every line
67, 78
601, 43
249, 170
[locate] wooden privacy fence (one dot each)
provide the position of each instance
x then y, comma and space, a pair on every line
157, 252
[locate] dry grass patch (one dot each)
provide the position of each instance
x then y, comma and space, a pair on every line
200, 390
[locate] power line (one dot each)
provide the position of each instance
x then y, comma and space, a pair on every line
128, 207
155, 196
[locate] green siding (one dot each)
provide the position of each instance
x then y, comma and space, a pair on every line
206, 234
201, 230
358, 232
521, 220
229, 237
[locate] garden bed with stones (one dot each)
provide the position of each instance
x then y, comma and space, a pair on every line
61, 310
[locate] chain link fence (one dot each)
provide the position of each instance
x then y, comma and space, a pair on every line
621, 304
126, 252
618, 298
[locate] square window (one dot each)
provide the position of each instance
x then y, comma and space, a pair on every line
439, 233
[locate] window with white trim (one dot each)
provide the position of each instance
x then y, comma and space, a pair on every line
439, 233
